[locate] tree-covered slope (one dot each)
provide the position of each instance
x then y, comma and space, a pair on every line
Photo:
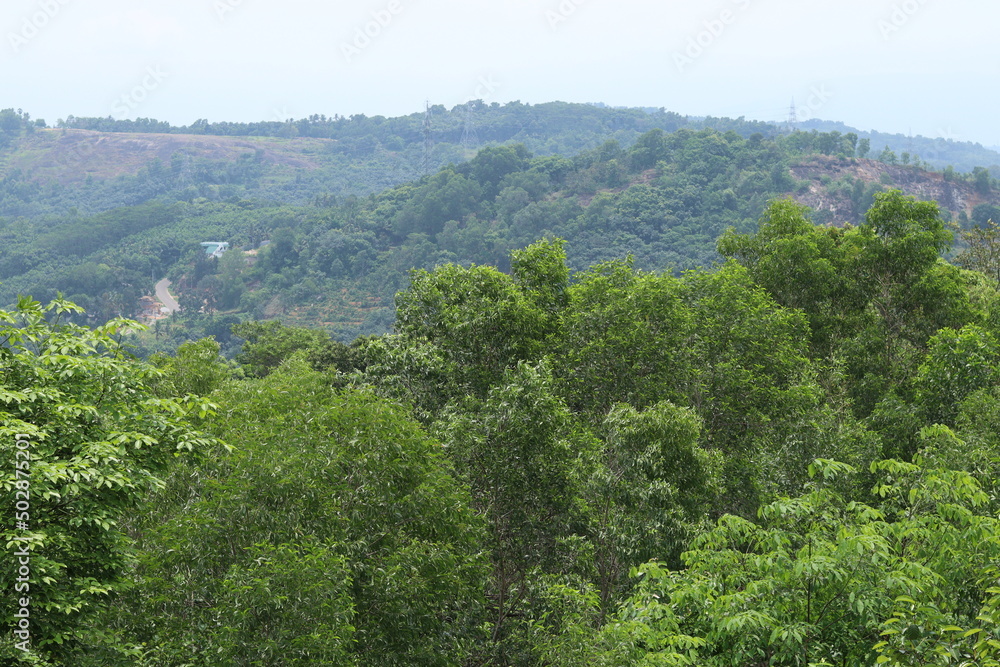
335, 260
939, 152
787, 459
54, 169
664, 202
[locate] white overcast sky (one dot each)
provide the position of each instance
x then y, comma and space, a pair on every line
911, 66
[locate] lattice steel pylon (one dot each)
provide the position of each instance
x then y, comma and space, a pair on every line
793, 117
428, 141
470, 140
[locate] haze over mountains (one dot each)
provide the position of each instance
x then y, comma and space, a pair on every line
684, 377
544, 129
98, 208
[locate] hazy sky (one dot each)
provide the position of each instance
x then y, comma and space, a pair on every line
922, 66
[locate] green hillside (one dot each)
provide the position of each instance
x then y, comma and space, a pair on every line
787, 459
690, 396
325, 234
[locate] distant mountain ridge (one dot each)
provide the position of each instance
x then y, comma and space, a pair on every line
101, 215
69, 156
296, 160
939, 152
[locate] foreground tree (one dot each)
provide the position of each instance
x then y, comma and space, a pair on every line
649, 492
983, 253
95, 442
820, 580
523, 456
481, 319
333, 533
874, 294
269, 343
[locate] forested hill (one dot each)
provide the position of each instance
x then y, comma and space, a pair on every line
939, 152
336, 262
291, 161
94, 164
569, 451
788, 460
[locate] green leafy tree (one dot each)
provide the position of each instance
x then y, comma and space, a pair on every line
648, 149
874, 295
493, 163
753, 382
447, 195
713, 342
98, 441
982, 181
332, 533
820, 580
909, 290
652, 487
902, 239
958, 364
888, 156
414, 373
983, 253
524, 458
624, 339
282, 251
850, 144
196, 369
802, 266
540, 270
481, 319
864, 147
270, 343
231, 267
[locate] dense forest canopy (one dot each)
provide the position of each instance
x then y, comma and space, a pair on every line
624, 401
787, 459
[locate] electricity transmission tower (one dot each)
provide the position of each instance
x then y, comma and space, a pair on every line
470, 140
793, 117
428, 141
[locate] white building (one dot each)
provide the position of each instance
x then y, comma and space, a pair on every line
215, 248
